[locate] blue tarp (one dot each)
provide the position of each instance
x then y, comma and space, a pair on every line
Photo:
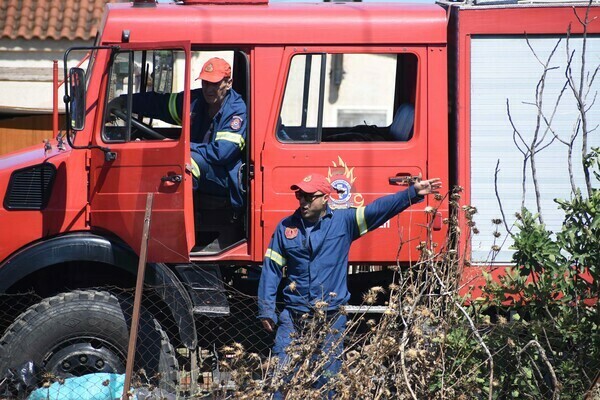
100, 386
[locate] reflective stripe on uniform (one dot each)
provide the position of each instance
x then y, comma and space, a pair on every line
195, 169
276, 257
173, 108
361, 221
231, 137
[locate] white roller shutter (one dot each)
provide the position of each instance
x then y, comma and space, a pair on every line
505, 68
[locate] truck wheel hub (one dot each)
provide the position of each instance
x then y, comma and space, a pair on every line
84, 357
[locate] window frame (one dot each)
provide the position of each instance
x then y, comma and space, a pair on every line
418, 52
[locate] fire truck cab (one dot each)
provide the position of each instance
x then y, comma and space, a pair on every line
357, 110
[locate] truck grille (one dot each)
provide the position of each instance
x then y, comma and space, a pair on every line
29, 188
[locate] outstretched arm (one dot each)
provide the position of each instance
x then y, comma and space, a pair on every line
384, 208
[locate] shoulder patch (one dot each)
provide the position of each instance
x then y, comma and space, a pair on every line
291, 232
236, 123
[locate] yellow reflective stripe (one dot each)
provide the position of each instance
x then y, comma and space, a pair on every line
173, 108
195, 169
361, 221
231, 137
276, 257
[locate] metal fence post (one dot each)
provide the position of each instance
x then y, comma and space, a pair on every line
139, 288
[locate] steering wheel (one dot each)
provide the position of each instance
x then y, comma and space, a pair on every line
146, 130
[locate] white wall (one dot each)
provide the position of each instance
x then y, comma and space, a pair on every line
26, 73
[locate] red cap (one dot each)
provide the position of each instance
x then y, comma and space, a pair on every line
215, 70
314, 183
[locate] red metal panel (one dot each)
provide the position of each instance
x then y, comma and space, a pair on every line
288, 23
66, 208
269, 74
521, 19
463, 108
436, 94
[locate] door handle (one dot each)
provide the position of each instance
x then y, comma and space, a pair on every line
403, 179
172, 178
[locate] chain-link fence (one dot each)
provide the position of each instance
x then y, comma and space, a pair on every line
401, 342
74, 344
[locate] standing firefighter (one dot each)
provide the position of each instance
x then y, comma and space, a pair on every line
313, 245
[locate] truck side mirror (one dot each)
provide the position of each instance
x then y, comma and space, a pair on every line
77, 98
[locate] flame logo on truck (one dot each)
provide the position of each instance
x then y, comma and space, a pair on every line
342, 178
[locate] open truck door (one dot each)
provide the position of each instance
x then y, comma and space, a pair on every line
147, 155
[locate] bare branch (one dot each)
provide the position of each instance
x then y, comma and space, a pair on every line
532, 50
548, 121
498, 195
592, 103
516, 132
542, 353
582, 89
591, 80
537, 142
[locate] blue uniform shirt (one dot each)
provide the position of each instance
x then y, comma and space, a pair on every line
217, 144
318, 262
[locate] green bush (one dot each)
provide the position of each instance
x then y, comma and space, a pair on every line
553, 288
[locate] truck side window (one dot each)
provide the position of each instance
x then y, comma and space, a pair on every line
348, 98
149, 76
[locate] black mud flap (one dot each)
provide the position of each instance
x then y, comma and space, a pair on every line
205, 286
172, 291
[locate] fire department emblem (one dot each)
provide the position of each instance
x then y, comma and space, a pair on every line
291, 232
342, 179
236, 123
209, 68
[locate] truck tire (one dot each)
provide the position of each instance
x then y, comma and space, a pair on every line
83, 332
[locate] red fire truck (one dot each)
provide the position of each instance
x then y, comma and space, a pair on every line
367, 94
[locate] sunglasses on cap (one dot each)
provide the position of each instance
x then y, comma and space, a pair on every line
308, 197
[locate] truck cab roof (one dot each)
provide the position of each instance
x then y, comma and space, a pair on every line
278, 23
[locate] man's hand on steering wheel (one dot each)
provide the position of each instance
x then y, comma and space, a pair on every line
116, 107
118, 103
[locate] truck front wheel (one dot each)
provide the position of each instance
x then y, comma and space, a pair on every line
83, 332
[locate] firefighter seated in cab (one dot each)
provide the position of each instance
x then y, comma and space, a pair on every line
218, 128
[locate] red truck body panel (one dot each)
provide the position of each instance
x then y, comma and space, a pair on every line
510, 20
67, 207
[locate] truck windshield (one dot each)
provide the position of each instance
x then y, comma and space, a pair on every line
145, 78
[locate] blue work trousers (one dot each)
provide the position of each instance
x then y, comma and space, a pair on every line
291, 322
213, 179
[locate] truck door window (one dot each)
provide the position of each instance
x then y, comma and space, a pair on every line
150, 76
349, 97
